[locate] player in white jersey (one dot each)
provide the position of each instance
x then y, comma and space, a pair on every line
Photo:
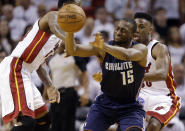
19, 96
158, 89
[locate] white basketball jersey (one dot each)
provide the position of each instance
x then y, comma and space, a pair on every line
35, 47
160, 87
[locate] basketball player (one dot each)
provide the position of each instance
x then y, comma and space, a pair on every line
158, 92
123, 70
20, 98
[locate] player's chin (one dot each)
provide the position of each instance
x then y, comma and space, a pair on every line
118, 38
136, 39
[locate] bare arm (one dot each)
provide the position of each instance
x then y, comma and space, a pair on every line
181, 9
52, 23
151, 6
44, 75
160, 53
137, 53
84, 82
78, 49
53, 94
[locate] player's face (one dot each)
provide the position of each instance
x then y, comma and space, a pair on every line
144, 29
123, 31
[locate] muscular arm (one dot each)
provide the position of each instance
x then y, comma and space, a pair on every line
52, 23
80, 50
137, 53
160, 53
44, 75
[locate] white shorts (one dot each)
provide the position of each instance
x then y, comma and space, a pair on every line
18, 94
162, 107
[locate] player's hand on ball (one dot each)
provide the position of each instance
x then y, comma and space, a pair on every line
98, 42
53, 94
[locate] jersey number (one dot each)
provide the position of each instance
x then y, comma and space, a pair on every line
127, 77
148, 84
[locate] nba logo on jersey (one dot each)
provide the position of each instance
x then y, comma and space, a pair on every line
140, 100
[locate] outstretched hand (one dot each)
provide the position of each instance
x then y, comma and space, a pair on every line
98, 42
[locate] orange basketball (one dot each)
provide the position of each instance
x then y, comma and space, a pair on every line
71, 18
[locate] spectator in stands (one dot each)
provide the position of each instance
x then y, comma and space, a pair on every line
182, 115
41, 10
160, 22
183, 60
129, 13
179, 75
6, 43
86, 3
16, 25
171, 7
116, 8
2, 56
138, 5
85, 35
12, 2
48, 3
101, 21
176, 47
182, 32
26, 11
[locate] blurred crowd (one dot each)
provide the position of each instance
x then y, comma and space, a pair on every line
18, 16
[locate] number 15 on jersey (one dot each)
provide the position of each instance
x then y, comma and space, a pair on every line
127, 77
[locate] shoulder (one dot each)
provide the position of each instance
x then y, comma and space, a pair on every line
159, 49
52, 13
44, 21
49, 14
141, 47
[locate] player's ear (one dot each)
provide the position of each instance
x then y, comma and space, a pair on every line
151, 29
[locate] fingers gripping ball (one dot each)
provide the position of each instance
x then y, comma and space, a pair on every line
71, 18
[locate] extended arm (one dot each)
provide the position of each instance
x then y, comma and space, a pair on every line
136, 53
54, 28
44, 75
160, 53
78, 49
53, 94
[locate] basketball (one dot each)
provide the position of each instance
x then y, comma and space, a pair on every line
71, 18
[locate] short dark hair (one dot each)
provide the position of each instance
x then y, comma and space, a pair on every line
61, 2
143, 16
132, 21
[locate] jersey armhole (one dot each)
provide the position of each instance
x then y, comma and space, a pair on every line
152, 49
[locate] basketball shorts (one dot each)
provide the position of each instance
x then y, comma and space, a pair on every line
105, 112
162, 107
17, 92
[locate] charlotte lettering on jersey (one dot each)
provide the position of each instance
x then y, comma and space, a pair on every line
118, 66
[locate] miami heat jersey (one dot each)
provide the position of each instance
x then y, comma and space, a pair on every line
159, 87
35, 47
120, 78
